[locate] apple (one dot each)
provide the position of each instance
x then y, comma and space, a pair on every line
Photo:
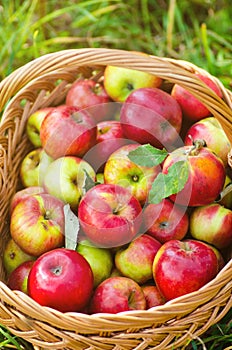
13, 256
212, 132
151, 115
117, 294
67, 131
33, 125
206, 175
221, 259
120, 170
66, 178
33, 167
191, 107
92, 96
99, 259
182, 267
37, 224
109, 138
212, 223
135, 260
21, 194
109, 215
165, 220
61, 279
19, 277
226, 201
119, 82
152, 296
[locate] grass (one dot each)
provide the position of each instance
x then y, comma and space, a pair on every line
199, 31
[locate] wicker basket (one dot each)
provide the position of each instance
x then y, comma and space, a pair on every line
170, 326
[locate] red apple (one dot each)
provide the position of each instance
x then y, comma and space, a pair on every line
21, 194
67, 131
191, 107
210, 130
61, 279
151, 115
212, 223
19, 277
117, 294
37, 224
109, 215
91, 95
120, 170
152, 296
135, 260
182, 267
206, 175
165, 221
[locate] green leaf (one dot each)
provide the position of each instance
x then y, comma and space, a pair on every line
147, 155
88, 182
72, 228
173, 182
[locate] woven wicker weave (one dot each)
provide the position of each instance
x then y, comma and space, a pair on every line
170, 326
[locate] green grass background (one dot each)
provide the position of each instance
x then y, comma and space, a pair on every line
199, 31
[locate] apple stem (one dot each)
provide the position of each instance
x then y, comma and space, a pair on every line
197, 145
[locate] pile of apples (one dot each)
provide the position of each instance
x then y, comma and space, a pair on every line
125, 197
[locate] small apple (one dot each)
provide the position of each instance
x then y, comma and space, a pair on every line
67, 131
61, 279
165, 220
37, 224
34, 123
135, 260
117, 294
21, 194
120, 170
191, 107
33, 167
99, 259
19, 277
90, 95
67, 178
182, 267
119, 82
152, 296
212, 223
13, 256
151, 115
109, 215
210, 130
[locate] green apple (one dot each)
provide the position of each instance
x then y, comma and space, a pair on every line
227, 200
119, 82
34, 123
100, 178
99, 259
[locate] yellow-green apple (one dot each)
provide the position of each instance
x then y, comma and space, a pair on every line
92, 96
165, 220
117, 294
119, 82
37, 224
151, 115
152, 296
67, 177
67, 131
13, 256
109, 138
21, 194
212, 132
99, 259
182, 267
109, 215
61, 279
212, 223
120, 170
33, 167
19, 277
226, 201
33, 125
135, 260
206, 175
192, 108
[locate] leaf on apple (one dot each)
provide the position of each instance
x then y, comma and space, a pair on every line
72, 228
173, 182
147, 155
